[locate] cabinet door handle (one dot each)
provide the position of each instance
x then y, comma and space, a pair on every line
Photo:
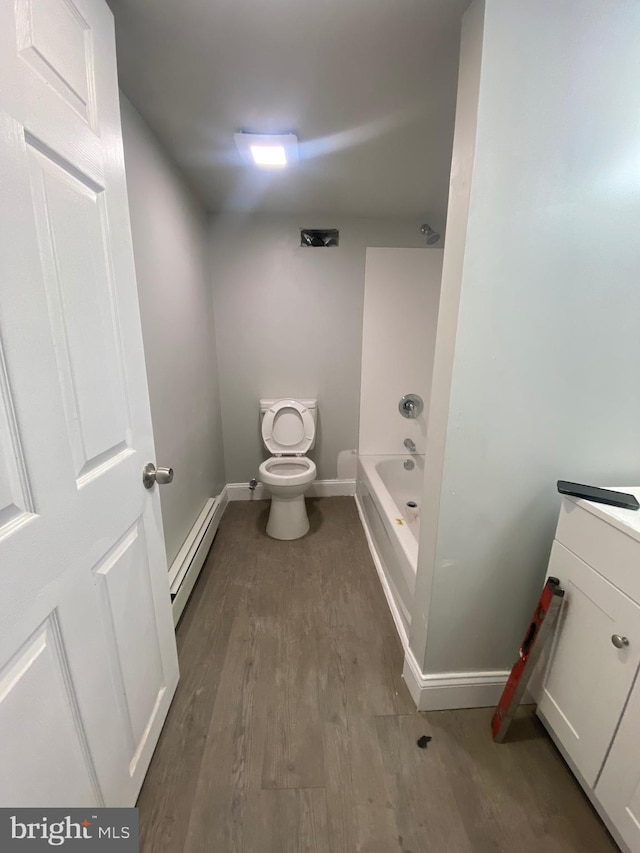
619, 642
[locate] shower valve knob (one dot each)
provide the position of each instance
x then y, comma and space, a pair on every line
410, 406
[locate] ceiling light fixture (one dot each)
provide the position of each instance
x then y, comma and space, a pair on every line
269, 155
267, 150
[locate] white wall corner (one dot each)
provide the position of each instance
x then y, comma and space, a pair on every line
462, 168
413, 677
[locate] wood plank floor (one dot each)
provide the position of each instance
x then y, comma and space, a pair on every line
291, 729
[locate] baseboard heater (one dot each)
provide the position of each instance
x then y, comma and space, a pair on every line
187, 565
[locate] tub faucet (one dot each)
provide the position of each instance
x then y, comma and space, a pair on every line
410, 445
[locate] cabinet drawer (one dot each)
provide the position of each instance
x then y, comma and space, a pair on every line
608, 550
588, 679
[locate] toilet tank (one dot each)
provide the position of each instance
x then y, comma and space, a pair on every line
310, 403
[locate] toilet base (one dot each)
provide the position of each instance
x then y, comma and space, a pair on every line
287, 518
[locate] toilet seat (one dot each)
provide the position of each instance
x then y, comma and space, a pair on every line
288, 428
287, 471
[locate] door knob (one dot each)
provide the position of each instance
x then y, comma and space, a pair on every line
151, 475
619, 642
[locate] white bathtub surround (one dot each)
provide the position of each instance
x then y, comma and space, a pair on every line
384, 487
402, 288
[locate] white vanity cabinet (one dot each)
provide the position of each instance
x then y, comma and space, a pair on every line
618, 788
589, 679
589, 690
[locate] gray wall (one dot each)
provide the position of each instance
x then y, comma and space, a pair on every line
170, 243
545, 375
289, 323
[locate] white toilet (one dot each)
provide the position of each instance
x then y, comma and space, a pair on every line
288, 432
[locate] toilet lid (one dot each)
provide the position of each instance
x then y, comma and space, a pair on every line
288, 428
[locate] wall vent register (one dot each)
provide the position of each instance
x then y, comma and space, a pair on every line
319, 237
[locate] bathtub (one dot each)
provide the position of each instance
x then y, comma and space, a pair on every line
384, 492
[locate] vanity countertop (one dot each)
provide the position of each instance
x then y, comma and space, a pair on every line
626, 520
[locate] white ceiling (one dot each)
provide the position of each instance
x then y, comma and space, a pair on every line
368, 86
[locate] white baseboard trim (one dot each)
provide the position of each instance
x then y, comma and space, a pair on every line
377, 562
447, 690
318, 489
332, 489
188, 564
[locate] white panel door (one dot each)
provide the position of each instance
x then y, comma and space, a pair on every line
618, 788
88, 662
588, 679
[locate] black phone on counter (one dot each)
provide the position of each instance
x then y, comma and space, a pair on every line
601, 496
